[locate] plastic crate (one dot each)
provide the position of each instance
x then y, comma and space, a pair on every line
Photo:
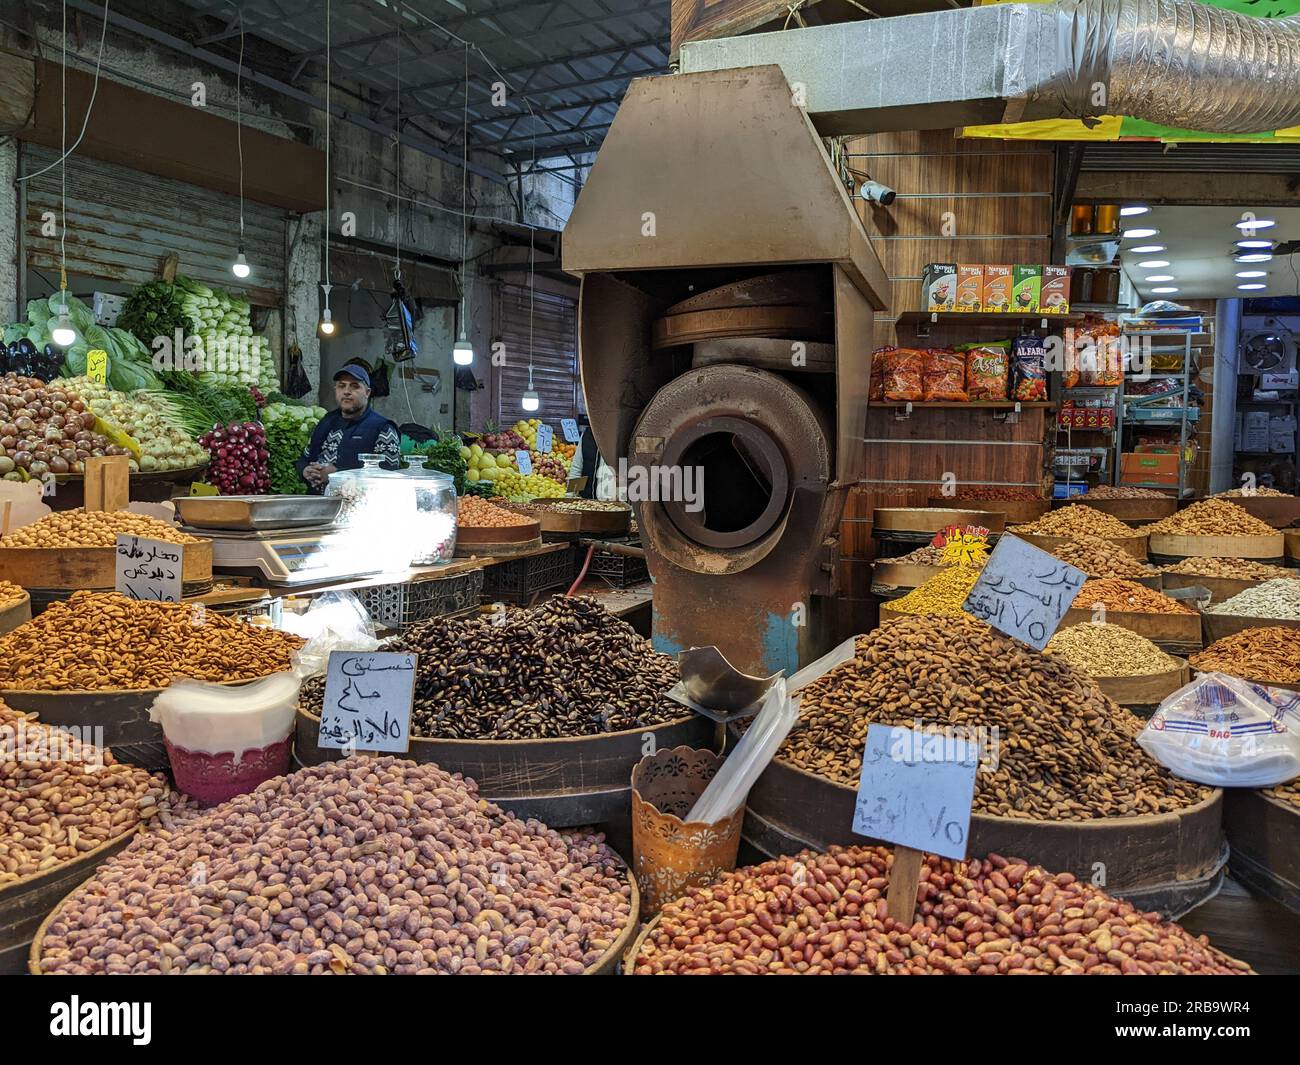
399, 605
622, 571
519, 579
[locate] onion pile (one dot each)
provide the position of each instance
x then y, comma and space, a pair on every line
46, 429
239, 458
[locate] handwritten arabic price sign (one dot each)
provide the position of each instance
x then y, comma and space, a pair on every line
524, 461
149, 569
367, 703
569, 427
545, 438
1024, 592
97, 365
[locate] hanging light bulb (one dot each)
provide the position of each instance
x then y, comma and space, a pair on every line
462, 352
531, 401
63, 334
241, 269
326, 318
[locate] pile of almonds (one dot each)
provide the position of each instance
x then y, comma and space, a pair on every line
818, 914
1288, 792
1270, 655
1078, 520
368, 865
1247, 493
1100, 558
1240, 569
1127, 597
1210, 517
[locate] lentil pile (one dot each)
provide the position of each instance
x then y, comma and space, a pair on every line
478, 513
101, 640
1278, 599
365, 866
566, 668
1105, 650
1127, 597
1100, 558
1066, 751
1240, 569
61, 798
93, 528
818, 914
941, 596
1110, 491
1078, 520
1210, 517
1271, 655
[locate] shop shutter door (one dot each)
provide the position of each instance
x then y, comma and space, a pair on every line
555, 362
122, 224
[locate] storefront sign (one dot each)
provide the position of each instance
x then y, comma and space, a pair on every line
545, 438
149, 569
1024, 592
367, 705
97, 365
569, 427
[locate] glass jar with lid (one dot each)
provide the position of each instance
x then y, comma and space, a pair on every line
378, 511
436, 511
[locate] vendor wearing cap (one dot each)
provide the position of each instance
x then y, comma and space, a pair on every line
344, 435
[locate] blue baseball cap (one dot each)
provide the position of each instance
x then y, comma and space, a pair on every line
355, 371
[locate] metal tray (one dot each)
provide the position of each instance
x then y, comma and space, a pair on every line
256, 512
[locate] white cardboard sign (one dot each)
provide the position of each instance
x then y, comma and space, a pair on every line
1024, 592
368, 696
148, 569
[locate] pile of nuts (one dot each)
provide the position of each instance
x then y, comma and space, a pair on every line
1270, 655
61, 798
1127, 597
1100, 558
1110, 491
941, 596
479, 513
11, 594
1211, 517
93, 528
1247, 493
95, 641
817, 914
1078, 520
566, 668
604, 506
1105, 650
930, 555
365, 866
1238, 569
999, 494
1278, 599
1288, 792
1065, 751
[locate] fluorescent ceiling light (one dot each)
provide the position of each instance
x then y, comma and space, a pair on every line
1153, 264
1255, 223
1136, 209
1161, 277
1138, 234
1147, 249
1252, 273
1253, 285
1254, 257
1254, 244
1164, 291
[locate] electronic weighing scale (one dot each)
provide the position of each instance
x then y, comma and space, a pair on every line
288, 557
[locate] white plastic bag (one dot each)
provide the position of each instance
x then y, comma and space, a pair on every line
336, 621
206, 718
1223, 732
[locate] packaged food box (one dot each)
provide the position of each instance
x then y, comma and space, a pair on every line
1026, 288
997, 289
1148, 468
939, 286
970, 288
1054, 295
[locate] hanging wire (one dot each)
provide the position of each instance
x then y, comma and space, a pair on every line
325, 234
63, 168
464, 204
397, 140
239, 121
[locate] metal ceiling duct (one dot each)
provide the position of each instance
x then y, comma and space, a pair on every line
1174, 62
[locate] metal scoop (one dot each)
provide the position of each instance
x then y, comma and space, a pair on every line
712, 686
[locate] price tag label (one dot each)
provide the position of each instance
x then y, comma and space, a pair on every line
545, 438
916, 790
368, 696
569, 427
198, 488
149, 569
1024, 592
524, 461
963, 547
97, 365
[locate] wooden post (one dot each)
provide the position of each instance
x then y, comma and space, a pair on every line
4, 517
904, 880
107, 483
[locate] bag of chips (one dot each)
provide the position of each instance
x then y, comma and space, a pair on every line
904, 374
987, 371
878, 359
944, 380
1028, 369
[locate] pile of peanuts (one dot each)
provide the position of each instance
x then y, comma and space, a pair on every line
1211, 517
1105, 650
1078, 520
941, 596
479, 513
93, 528
1100, 558
11, 594
1110, 491
1240, 569
365, 866
1271, 655
1239, 493
1127, 597
1065, 752
101, 640
61, 798
819, 914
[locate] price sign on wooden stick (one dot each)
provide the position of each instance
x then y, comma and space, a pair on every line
1024, 592
915, 792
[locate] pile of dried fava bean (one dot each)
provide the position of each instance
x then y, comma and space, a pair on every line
818, 914
1127, 597
98, 640
93, 528
1239, 569
369, 865
1065, 752
1210, 517
566, 668
1078, 520
1105, 650
1270, 655
61, 798
1100, 558
1278, 598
